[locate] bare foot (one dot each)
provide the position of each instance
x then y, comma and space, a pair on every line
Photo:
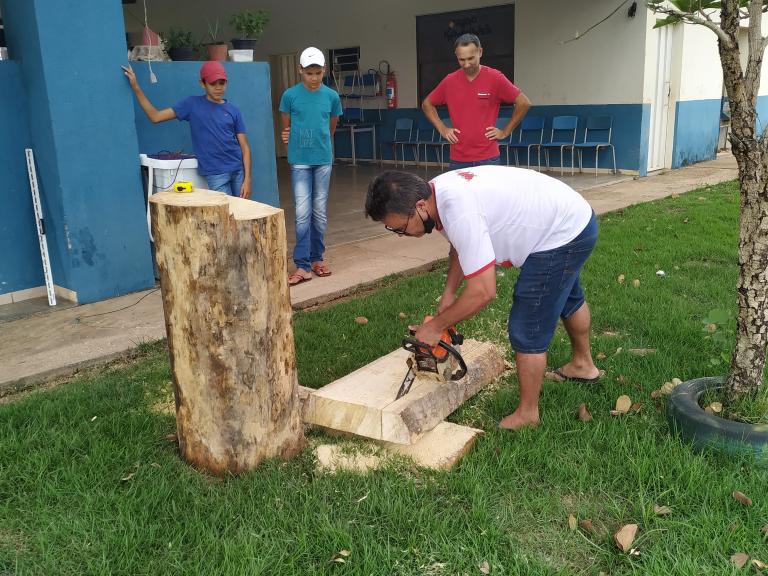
518, 420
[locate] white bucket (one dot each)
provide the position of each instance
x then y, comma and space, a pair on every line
241, 55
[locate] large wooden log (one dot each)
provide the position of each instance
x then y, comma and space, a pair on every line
363, 402
222, 263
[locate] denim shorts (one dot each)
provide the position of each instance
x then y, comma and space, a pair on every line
548, 288
460, 164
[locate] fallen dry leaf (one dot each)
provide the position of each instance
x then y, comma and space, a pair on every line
620, 279
710, 327
583, 413
661, 510
642, 351
623, 404
484, 567
764, 529
361, 320
587, 526
615, 413
739, 559
741, 497
717, 407
635, 407
402, 315
758, 564
610, 333
625, 536
600, 356
620, 379
155, 465
636, 283
655, 393
128, 477
572, 523
171, 438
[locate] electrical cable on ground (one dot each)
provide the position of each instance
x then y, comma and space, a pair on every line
79, 319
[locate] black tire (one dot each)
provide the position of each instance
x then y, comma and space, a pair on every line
707, 431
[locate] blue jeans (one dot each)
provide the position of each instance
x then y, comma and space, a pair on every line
310, 196
548, 288
228, 182
456, 164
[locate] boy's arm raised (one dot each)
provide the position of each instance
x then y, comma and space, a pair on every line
152, 113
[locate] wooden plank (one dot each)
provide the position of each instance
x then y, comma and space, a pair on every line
363, 402
439, 449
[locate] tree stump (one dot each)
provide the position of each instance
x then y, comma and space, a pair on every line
222, 263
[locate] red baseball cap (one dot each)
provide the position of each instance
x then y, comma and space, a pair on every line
211, 71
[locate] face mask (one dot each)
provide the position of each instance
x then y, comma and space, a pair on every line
429, 223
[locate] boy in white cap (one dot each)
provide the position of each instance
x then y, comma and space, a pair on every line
309, 112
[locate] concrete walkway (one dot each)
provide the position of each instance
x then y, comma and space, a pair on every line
60, 342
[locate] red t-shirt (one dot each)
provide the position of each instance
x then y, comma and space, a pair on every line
473, 107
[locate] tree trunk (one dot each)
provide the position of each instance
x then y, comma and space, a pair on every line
748, 360
222, 263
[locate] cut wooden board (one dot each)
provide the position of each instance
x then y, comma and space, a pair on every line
363, 402
440, 449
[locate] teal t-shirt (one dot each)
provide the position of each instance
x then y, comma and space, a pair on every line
311, 112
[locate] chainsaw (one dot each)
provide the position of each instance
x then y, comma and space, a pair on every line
440, 360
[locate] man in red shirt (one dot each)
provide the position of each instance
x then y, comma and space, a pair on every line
473, 94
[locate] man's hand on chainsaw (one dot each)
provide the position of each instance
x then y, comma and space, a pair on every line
428, 333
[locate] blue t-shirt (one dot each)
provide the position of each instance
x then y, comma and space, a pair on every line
214, 134
311, 112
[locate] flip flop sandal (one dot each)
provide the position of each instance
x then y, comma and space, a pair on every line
564, 378
296, 278
321, 270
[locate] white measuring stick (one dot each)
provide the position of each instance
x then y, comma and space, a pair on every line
40, 226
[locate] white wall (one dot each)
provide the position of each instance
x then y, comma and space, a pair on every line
701, 76
384, 31
603, 67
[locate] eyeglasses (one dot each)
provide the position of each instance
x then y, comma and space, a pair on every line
401, 231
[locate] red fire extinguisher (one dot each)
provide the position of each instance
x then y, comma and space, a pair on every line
391, 83
391, 90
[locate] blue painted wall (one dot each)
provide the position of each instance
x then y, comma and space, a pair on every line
630, 132
248, 88
697, 125
82, 128
21, 267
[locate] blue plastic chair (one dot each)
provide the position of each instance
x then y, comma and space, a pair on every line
402, 137
501, 123
563, 138
530, 135
597, 135
424, 136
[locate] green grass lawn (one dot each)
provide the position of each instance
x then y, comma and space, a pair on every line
90, 485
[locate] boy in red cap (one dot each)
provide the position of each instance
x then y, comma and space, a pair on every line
218, 130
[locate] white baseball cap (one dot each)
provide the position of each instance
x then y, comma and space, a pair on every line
312, 57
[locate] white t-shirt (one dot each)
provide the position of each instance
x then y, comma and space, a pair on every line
500, 214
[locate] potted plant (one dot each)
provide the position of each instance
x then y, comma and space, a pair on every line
250, 24
179, 44
749, 144
216, 48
